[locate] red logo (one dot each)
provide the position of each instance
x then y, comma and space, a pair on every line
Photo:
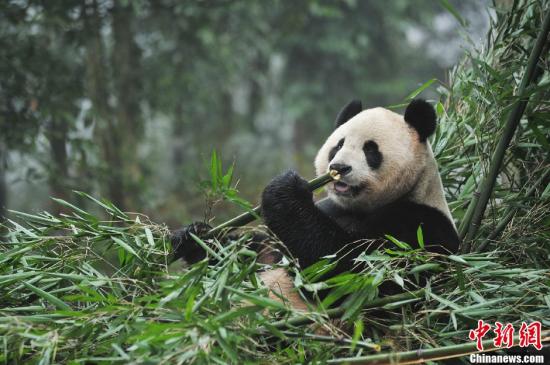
504, 335
479, 332
530, 335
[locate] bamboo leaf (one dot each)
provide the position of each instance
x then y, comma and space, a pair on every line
420, 237
125, 246
48, 297
422, 87
258, 300
447, 5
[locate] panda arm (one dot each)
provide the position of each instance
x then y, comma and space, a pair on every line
308, 233
402, 221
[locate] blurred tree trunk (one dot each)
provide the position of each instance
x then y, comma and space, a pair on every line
228, 114
256, 97
178, 129
59, 172
3, 187
127, 83
97, 82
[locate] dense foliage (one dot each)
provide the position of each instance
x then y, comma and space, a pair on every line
64, 301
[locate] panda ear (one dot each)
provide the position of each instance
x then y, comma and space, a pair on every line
421, 116
351, 109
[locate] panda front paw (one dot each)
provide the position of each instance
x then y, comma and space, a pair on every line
286, 192
185, 246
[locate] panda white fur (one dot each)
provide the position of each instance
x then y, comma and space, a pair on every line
389, 184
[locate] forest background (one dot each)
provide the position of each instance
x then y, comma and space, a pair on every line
126, 100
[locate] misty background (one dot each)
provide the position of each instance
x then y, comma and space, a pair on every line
127, 99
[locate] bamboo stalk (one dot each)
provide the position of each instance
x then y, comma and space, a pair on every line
434, 354
476, 209
254, 213
336, 340
338, 312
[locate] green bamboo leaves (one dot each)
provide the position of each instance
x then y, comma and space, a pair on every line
476, 209
67, 297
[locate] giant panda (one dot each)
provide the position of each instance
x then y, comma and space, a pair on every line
389, 185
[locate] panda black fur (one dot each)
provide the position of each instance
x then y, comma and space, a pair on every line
389, 184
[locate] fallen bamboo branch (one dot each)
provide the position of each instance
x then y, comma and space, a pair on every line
338, 312
433, 354
336, 340
476, 209
254, 213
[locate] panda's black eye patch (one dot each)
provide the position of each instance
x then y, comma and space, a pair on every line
373, 155
335, 149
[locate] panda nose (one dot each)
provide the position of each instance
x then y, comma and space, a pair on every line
341, 168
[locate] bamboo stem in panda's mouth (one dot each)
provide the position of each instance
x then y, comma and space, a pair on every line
254, 213
334, 174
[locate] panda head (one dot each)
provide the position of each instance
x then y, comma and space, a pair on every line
381, 155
